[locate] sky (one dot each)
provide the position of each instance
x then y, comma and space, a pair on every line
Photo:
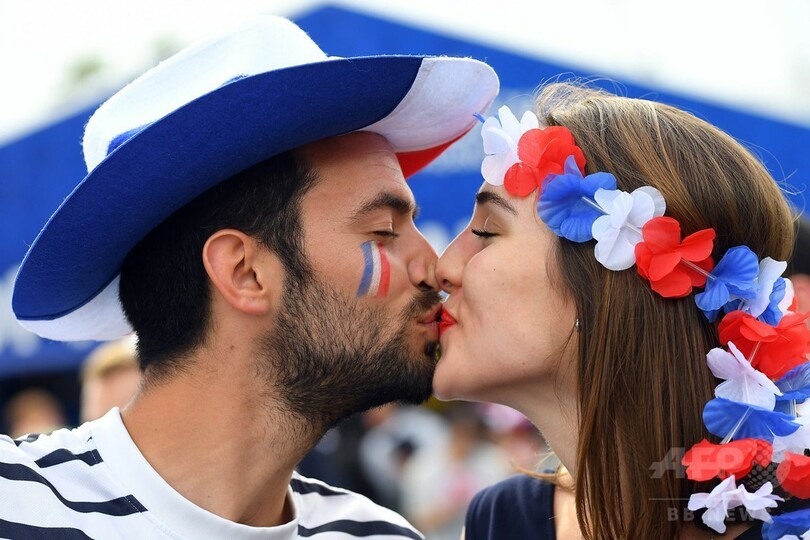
746, 54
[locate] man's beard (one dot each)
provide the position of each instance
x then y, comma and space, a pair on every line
330, 356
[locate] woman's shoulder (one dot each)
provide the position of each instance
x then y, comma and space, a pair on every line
518, 507
517, 489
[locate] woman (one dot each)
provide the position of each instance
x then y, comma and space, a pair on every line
602, 345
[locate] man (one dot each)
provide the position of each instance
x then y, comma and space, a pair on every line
246, 213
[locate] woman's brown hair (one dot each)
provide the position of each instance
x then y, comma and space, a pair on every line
641, 370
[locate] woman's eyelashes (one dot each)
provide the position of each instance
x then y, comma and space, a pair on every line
485, 231
482, 233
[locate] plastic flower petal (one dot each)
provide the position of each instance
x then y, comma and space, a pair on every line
805, 536
795, 443
778, 349
721, 416
769, 272
794, 475
726, 495
743, 383
659, 256
756, 503
566, 202
735, 274
706, 460
500, 135
789, 301
774, 312
541, 153
793, 523
795, 385
618, 232
716, 504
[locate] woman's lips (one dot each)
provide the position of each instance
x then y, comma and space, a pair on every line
446, 321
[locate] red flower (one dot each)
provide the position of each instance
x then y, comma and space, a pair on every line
794, 475
772, 350
541, 152
706, 460
659, 256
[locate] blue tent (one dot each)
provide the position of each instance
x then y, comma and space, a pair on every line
38, 171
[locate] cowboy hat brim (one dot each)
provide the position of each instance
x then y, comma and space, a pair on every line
66, 288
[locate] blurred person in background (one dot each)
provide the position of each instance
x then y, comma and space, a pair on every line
517, 436
394, 432
699, 347
246, 214
110, 377
437, 483
33, 411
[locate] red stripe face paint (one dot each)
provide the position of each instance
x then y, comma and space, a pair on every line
376, 271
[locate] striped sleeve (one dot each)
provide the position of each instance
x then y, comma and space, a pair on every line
53, 487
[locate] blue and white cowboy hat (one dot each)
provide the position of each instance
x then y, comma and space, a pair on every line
210, 111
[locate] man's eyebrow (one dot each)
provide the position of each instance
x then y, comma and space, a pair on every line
483, 197
397, 203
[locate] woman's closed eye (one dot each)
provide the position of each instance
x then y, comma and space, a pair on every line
482, 233
485, 231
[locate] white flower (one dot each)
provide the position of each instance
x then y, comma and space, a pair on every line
743, 383
790, 293
769, 271
795, 443
726, 496
757, 502
619, 230
716, 504
500, 135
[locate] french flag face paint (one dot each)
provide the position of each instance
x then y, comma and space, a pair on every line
377, 271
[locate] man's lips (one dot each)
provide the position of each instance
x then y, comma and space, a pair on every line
431, 316
446, 321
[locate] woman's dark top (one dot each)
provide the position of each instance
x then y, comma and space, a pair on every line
520, 507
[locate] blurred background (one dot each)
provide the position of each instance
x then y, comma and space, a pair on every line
743, 65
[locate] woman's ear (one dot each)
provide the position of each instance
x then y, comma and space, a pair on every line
242, 271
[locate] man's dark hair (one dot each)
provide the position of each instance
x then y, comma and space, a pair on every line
164, 288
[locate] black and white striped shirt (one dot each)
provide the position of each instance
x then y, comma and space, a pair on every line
92, 482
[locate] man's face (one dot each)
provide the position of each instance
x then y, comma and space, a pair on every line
361, 330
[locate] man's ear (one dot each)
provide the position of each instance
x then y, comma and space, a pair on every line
242, 271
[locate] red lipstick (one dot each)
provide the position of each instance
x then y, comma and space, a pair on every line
446, 321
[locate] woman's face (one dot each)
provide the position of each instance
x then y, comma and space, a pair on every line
513, 321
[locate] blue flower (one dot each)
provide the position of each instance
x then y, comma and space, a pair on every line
736, 275
721, 416
795, 385
796, 523
561, 204
773, 313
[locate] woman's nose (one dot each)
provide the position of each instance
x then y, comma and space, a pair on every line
450, 266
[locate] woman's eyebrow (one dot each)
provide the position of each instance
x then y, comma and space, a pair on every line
483, 197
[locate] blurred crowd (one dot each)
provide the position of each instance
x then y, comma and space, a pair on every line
424, 461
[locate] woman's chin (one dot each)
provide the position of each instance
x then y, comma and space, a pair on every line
449, 378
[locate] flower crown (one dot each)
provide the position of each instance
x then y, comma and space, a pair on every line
764, 368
